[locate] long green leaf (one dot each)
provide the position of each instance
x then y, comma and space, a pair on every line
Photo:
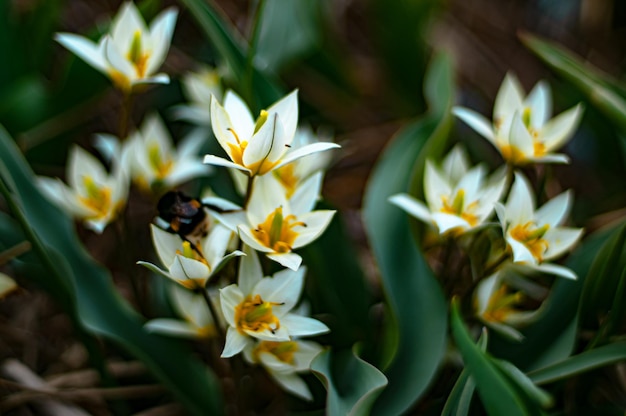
580, 363
414, 295
352, 383
86, 289
603, 92
231, 49
497, 395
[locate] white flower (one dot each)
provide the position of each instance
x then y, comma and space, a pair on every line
93, 196
458, 198
131, 53
187, 265
283, 360
499, 301
522, 130
198, 88
154, 161
257, 148
258, 307
275, 225
197, 320
536, 236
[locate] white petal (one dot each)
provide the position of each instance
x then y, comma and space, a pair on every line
486, 288
520, 138
247, 237
289, 260
555, 269
285, 287
539, 101
549, 158
436, 187
520, 205
558, 130
555, 210
235, 343
116, 59
185, 268
316, 223
307, 351
231, 220
82, 164
172, 327
561, 240
161, 31
521, 254
476, 121
267, 195
456, 163
508, 100
412, 206
309, 149
293, 384
215, 244
446, 222
219, 161
306, 194
83, 48
250, 271
279, 334
230, 298
186, 170
303, 326
239, 114
287, 110
166, 244
126, 23
266, 146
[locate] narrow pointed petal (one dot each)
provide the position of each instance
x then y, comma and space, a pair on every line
412, 206
303, 151
285, 287
555, 210
306, 195
293, 384
521, 254
184, 268
436, 186
126, 23
550, 158
520, 205
520, 138
250, 271
84, 49
303, 326
558, 130
247, 237
456, 163
555, 269
447, 222
316, 223
230, 297
216, 243
509, 99
287, 110
561, 240
476, 121
220, 161
266, 146
235, 343
117, 61
166, 245
161, 31
172, 327
240, 116
539, 101
290, 260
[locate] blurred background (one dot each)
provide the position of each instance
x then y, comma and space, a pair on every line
359, 66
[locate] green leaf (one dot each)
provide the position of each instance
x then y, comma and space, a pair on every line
231, 48
413, 293
516, 376
496, 393
580, 363
602, 91
352, 383
85, 289
601, 285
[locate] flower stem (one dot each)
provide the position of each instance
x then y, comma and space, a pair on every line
125, 115
213, 312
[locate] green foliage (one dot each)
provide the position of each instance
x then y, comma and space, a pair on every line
352, 383
86, 291
414, 296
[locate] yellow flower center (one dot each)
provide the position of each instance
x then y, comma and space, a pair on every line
189, 252
276, 232
501, 304
162, 166
457, 207
254, 314
532, 237
137, 56
284, 351
98, 198
287, 178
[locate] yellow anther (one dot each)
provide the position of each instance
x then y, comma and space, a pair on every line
254, 314
162, 166
98, 198
276, 232
284, 351
532, 238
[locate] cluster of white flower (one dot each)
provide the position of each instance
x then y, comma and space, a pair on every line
278, 169
460, 200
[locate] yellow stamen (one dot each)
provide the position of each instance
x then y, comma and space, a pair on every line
276, 232
458, 208
254, 314
287, 178
512, 154
161, 165
532, 238
98, 198
501, 304
136, 55
526, 116
284, 351
261, 120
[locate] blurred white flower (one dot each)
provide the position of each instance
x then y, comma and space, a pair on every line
522, 129
258, 147
259, 307
459, 198
197, 320
188, 265
536, 236
93, 196
198, 88
500, 301
130, 53
7, 285
151, 157
283, 361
